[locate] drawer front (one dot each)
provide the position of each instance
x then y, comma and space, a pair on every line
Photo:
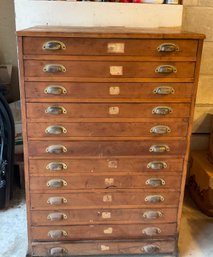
84, 232
166, 128
98, 46
103, 216
108, 69
103, 199
89, 181
49, 149
61, 111
110, 91
104, 247
58, 167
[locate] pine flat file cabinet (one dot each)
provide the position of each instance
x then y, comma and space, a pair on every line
107, 117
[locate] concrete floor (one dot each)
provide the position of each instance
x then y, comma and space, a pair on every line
196, 234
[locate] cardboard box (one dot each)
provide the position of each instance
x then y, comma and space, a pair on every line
16, 111
201, 182
5, 80
211, 141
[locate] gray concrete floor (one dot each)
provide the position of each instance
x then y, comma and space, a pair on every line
196, 234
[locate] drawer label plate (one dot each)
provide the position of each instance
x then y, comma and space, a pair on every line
116, 70
115, 48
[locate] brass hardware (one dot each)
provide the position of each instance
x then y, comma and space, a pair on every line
56, 234
56, 216
114, 90
162, 110
159, 148
56, 200
155, 182
107, 198
55, 130
160, 129
152, 214
151, 248
168, 47
56, 183
156, 165
163, 90
55, 90
108, 231
56, 166
55, 110
113, 164
166, 69
57, 251
106, 215
115, 48
151, 231
109, 181
56, 149
116, 70
54, 68
53, 45
154, 198
114, 110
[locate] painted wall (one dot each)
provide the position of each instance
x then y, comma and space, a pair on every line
198, 17
30, 13
8, 51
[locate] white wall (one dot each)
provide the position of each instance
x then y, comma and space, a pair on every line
8, 51
30, 13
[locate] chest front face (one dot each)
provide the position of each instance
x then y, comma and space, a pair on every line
107, 121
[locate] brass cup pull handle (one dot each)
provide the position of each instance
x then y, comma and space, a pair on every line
56, 166
57, 216
57, 251
56, 234
56, 183
151, 248
168, 47
54, 68
154, 198
166, 69
56, 110
156, 165
55, 90
159, 148
162, 110
56, 200
54, 45
151, 231
164, 90
161, 129
155, 182
55, 130
56, 149
152, 214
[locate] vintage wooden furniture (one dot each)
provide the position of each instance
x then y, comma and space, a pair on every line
107, 116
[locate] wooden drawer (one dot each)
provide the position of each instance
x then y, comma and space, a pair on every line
107, 69
55, 149
167, 128
64, 167
61, 111
85, 232
59, 91
102, 46
103, 216
108, 198
90, 181
104, 247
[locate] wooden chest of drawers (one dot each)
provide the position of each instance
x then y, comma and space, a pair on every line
107, 116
